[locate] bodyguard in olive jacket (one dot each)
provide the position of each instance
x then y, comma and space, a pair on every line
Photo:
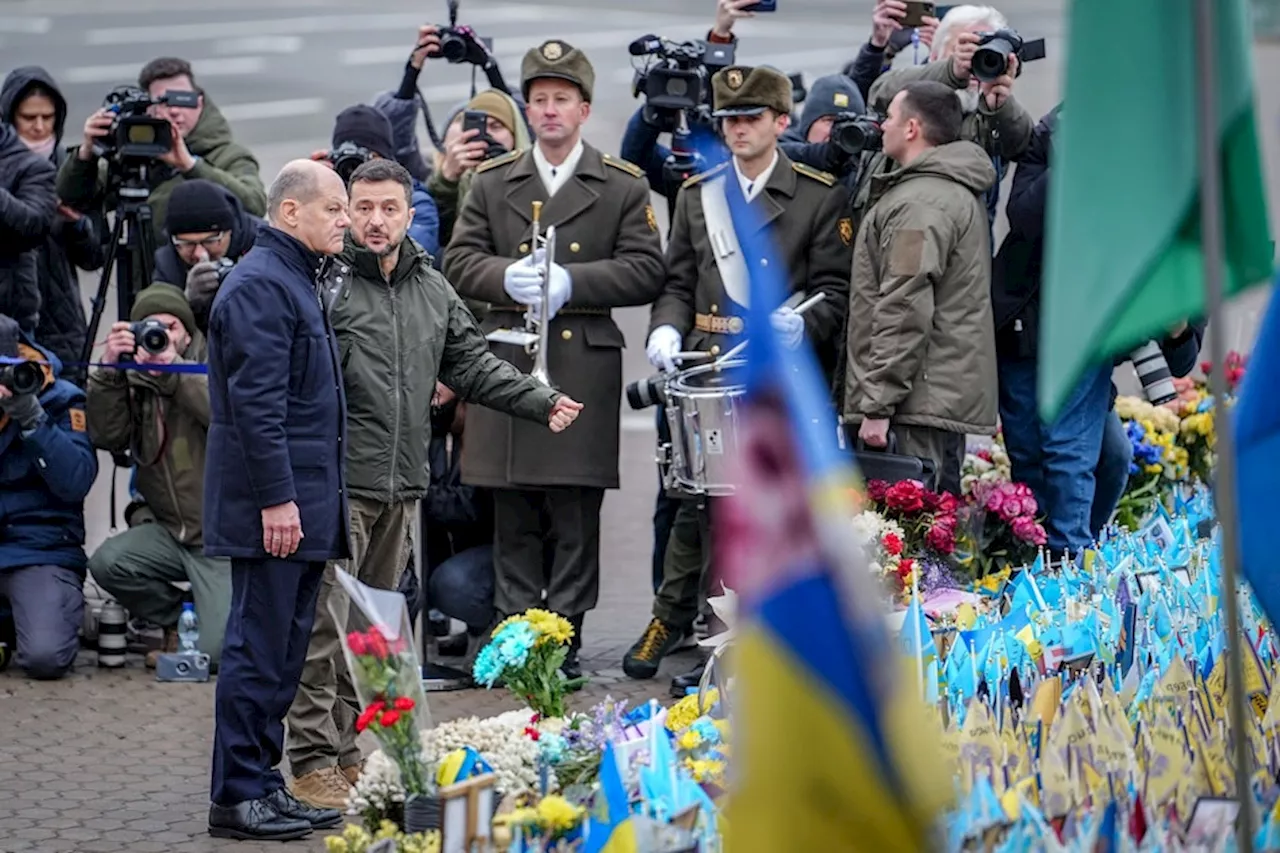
399, 327
921, 343
608, 256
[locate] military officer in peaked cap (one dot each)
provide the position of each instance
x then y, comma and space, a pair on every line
547, 487
703, 304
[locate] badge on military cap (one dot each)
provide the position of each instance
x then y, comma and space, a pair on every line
744, 91
559, 60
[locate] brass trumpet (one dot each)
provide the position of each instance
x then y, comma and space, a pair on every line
536, 334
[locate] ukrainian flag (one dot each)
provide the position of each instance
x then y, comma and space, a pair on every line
835, 749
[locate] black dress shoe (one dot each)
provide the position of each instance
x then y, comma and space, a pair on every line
290, 806
255, 820
571, 668
681, 684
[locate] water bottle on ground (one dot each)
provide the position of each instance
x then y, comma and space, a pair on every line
188, 628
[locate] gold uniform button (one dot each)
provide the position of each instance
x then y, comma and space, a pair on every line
715, 308
715, 350
764, 262
575, 247
524, 247
567, 334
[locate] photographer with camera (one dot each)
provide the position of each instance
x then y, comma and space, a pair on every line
162, 420
27, 206
975, 54
888, 38
702, 304
921, 359
362, 133
31, 101
209, 231
47, 466
200, 147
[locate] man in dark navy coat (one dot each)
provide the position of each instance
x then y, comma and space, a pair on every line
275, 493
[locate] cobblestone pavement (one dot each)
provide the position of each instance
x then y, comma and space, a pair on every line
111, 760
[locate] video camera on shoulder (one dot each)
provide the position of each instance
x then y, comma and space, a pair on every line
677, 77
134, 134
991, 59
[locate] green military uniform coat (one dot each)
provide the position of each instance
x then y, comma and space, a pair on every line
804, 210
607, 239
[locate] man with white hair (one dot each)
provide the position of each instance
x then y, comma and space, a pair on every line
992, 117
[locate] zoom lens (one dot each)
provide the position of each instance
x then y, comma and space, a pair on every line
644, 393
1154, 374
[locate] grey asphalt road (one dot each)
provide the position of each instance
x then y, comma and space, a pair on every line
281, 69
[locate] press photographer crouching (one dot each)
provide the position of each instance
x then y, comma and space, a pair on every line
209, 231
361, 133
162, 420
47, 466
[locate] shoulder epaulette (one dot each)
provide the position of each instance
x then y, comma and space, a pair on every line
499, 161
702, 176
810, 172
630, 168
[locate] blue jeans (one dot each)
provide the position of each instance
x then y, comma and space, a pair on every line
1056, 460
47, 604
1112, 474
462, 587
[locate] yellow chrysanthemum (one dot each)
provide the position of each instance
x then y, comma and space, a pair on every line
683, 713
689, 740
336, 844
550, 627
705, 769
722, 726
518, 817
1154, 468
558, 815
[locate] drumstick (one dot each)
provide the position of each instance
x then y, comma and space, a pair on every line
800, 309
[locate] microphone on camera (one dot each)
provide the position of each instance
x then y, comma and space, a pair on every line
645, 45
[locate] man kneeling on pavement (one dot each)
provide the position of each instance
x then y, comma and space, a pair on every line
47, 466
162, 420
400, 325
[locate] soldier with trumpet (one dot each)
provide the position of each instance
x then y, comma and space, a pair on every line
703, 305
547, 491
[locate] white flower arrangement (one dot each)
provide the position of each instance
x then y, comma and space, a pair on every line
987, 464
870, 529
502, 741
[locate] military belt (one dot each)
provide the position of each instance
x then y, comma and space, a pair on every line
571, 312
717, 325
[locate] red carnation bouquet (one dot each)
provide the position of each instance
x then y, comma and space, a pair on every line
928, 519
387, 677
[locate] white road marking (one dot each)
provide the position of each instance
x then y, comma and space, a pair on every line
258, 44
234, 66
26, 26
272, 109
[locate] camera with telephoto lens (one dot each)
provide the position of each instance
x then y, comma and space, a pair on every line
25, 377
1154, 374
348, 157
647, 392
854, 133
991, 59
134, 135
151, 335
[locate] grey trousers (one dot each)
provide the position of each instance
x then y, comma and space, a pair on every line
946, 449
48, 607
322, 719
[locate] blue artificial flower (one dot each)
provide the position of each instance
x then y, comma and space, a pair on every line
488, 666
514, 642
706, 730
551, 747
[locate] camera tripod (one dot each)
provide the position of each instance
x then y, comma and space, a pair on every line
132, 241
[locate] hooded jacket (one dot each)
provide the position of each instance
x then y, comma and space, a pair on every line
69, 244
45, 474
26, 213
921, 348
83, 184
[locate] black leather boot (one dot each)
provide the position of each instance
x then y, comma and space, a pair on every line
255, 820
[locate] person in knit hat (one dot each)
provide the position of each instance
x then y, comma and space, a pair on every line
162, 420
369, 130
208, 229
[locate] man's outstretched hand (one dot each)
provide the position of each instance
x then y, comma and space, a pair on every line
564, 413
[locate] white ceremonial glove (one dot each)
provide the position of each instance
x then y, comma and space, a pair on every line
559, 295
523, 282
664, 343
788, 324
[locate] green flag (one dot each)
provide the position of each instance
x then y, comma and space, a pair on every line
1123, 260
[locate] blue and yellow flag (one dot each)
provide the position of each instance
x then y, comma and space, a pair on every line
835, 749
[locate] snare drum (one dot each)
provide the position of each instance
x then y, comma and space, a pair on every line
702, 412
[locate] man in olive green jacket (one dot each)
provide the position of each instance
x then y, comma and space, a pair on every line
203, 148
162, 419
400, 326
921, 342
